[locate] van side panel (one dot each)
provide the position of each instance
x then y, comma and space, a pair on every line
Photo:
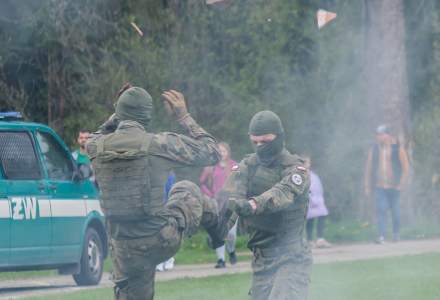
30, 223
5, 224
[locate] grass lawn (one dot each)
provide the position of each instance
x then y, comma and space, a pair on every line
402, 278
195, 251
352, 231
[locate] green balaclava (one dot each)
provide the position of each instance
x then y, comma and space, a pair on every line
266, 122
135, 104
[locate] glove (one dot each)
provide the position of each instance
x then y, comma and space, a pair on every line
110, 125
241, 207
175, 104
125, 87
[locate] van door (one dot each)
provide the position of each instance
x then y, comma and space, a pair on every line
5, 220
67, 199
29, 206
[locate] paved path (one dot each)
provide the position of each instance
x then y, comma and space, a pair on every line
63, 284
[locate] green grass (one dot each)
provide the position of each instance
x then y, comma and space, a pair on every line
402, 278
26, 274
195, 250
350, 231
408, 277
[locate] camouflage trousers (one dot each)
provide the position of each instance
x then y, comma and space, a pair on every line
135, 260
281, 273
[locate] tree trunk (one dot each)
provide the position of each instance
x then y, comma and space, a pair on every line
385, 65
385, 72
56, 83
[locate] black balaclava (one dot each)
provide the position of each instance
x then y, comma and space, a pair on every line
266, 122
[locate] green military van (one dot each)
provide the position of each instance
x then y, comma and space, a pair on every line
50, 216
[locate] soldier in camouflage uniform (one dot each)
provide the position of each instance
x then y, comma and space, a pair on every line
269, 191
131, 167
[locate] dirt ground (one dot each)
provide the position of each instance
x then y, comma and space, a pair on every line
64, 284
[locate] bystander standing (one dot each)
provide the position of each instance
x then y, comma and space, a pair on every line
212, 181
386, 173
317, 210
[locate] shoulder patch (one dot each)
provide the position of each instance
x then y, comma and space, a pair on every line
297, 179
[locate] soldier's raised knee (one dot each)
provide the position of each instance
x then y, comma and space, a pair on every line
186, 186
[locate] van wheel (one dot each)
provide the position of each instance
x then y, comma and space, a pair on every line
91, 260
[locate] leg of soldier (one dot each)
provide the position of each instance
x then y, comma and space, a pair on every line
282, 276
191, 208
291, 279
262, 276
134, 282
135, 260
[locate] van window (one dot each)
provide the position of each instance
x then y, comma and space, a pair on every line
59, 165
17, 156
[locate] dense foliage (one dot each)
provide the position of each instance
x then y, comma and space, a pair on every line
61, 63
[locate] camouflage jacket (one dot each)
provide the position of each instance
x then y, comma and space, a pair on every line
167, 151
281, 195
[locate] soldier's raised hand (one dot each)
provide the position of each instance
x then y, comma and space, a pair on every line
175, 103
110, 125
125, 87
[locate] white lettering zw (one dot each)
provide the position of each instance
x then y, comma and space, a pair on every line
16, 206
24, 208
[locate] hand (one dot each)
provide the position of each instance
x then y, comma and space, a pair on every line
243, 207
175, 104
253, 204
125, 87
110, 125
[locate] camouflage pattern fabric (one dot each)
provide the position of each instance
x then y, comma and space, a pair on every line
166, 152
278, 198
137, 246
282, 260
134, 261
282, 274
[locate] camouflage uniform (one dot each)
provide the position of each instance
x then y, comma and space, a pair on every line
282, 260
137, 245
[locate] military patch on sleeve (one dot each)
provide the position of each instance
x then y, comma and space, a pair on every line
234, 168
297, 179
